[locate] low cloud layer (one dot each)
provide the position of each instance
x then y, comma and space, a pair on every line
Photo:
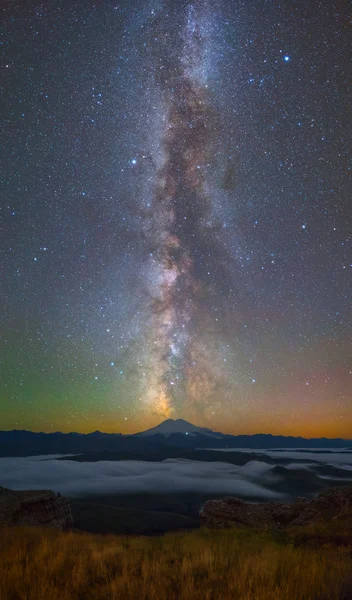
171, 475
332, 457
73, 478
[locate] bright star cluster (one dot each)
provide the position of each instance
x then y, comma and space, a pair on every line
175, 218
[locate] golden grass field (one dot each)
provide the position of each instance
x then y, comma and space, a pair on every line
38, 563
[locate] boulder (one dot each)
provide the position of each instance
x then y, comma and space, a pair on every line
39, 507
229, 512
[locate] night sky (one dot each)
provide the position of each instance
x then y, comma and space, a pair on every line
176, 216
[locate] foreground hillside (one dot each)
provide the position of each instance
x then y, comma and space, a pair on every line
38, 563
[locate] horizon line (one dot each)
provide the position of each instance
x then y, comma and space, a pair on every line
132, 434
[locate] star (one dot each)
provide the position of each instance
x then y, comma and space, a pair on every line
228, 244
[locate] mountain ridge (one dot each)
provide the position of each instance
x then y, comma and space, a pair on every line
176, 433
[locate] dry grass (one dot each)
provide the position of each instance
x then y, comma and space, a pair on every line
40, 564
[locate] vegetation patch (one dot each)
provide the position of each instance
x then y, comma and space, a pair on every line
38, 563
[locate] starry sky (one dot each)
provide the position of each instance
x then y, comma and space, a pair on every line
175, 216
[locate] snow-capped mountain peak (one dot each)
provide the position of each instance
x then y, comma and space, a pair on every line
171, 426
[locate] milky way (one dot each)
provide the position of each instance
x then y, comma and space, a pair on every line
175, 222
183, 240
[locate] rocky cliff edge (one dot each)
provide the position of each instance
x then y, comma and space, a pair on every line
39, 507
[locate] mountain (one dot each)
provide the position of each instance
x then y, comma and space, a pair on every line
172, 426
163, 440
29, 443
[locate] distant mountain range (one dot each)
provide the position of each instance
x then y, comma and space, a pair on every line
168, 435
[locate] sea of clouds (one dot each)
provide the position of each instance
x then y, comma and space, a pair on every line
172, 475
335, 456
76, 479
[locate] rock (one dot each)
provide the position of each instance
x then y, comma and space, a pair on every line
42, 507
229, 512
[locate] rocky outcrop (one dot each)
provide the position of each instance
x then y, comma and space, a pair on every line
230, 512
42, 507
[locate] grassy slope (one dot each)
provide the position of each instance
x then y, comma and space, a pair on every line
40, 563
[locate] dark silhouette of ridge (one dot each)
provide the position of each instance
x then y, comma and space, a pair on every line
170, 433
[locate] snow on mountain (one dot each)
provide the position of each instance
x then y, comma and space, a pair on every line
171, 426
